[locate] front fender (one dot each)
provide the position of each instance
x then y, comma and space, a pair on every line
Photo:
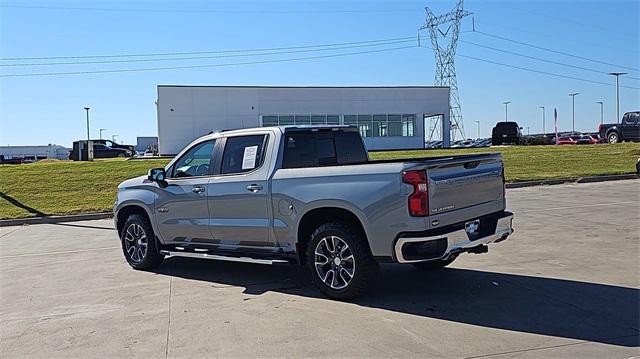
140, 197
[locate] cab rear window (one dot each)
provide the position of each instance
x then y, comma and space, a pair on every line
323, 148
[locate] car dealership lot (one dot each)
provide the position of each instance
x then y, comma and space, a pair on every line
565, 284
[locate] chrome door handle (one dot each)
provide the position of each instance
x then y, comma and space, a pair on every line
198, 189
254, 187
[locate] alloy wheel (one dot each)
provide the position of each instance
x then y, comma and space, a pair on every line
135, 240
334, 262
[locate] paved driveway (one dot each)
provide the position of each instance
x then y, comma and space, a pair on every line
565, 285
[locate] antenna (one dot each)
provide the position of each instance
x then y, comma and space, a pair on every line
445, 55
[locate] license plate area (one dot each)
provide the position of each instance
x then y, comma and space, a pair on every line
473, 229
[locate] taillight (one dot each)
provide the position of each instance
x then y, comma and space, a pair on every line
419, 199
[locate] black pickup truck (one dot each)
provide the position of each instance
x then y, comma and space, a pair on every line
628, 130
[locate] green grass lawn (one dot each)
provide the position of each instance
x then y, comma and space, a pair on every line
66, 187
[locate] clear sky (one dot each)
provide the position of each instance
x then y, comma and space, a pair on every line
49, 109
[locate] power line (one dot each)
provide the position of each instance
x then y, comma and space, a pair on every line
205, 57
203, 66
541, 59
203, 52
554, 51
543, 72
219, 11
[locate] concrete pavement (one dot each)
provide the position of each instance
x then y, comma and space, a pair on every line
566, 284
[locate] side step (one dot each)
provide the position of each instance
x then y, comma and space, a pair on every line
223, 258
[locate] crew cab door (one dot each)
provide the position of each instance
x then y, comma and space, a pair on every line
238, 194
631, 126
182, 213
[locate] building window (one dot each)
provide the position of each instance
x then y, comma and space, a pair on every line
376, 125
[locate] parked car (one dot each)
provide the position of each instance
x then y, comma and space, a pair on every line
506, 133
566, 140
103, 151
581, 139
112, 144
627, 130
310, 196
10, 161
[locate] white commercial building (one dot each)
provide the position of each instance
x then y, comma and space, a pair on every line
35, 152
388, 117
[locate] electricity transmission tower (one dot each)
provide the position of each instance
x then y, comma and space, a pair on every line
445, 55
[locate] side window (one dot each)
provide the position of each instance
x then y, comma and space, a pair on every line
323, 149
243, 154
195, 162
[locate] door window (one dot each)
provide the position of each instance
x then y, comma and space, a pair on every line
195, 162
243, 154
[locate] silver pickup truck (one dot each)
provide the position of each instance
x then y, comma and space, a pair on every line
310, 195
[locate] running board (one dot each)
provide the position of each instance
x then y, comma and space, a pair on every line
224, 258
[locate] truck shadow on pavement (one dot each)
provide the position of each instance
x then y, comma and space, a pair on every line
546, 306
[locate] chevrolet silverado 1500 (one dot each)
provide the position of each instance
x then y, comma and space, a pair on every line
311, 196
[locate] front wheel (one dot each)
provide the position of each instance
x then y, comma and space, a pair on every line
340, 261
139, 245
613, 138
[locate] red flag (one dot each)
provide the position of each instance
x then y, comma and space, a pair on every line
555, 123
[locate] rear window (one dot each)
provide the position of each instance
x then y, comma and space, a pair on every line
326, 148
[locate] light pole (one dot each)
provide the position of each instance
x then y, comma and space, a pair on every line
478, 123
87, 109
544, 132
528, 133
601, 111
102, 129
617, 75
506, 110
573, 116
113, 138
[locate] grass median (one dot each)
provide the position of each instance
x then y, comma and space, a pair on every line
64, 187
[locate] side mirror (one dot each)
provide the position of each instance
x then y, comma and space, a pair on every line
157, 175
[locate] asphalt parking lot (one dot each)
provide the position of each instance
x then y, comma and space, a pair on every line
566, 284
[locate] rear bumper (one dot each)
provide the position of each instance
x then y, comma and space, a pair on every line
442, 245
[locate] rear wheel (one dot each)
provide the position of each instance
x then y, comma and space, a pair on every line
139, 244
433, 265
613, 137
122, 155
339, 260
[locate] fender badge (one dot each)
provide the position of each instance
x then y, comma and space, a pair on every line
435, 223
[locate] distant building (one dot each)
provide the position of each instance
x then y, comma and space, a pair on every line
36, 152
388, 118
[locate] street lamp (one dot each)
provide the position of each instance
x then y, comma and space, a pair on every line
113, 138
478, 123
601, 111
102, 129
506, 111
87, 109
617, 75
573, 116
544, 132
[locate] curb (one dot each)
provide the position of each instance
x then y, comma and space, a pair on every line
54, 219
571, 180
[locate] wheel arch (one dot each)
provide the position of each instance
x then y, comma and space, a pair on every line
320, 215
128, 209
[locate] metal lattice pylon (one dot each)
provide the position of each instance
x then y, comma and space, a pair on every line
445, 56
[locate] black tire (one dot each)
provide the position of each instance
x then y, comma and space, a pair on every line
613, 137
121, 155
434, 265
364, 269
151, 257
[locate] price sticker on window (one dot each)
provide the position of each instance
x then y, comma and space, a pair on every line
249, 157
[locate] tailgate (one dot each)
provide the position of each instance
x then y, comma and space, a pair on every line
471, 184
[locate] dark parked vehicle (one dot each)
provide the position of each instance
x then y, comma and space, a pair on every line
103, 151
112, 144
566, 140
628, 130
506, 133
10, 161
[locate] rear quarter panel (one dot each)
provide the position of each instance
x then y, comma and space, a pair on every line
373, 192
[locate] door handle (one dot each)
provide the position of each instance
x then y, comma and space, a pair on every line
254, 188
198, 189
